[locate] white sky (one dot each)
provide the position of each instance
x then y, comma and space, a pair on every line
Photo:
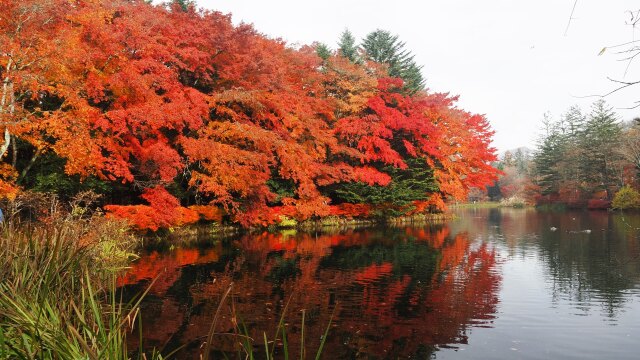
507, 59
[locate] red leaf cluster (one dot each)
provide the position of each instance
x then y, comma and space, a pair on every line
150, 96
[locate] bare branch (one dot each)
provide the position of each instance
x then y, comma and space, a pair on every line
570, 17
625, 84
623, 44
632, 107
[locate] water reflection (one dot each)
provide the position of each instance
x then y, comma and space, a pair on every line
588, 256
491, 283
393, 292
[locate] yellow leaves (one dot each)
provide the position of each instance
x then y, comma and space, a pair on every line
349, 85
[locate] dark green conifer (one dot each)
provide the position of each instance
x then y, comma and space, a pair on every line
416, 182
323, 51
347, 47
382, 47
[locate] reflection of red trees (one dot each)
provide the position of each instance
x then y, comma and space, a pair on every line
377, 310
463, 291
166, 266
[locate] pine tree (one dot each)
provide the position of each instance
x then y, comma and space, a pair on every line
323, 51
579, 155
572, 169
382, 47
347, 47
521, 160
548, 157
600, 139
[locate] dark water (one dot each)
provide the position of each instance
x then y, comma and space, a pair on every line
492, 284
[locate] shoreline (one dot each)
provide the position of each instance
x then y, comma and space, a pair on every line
203, 232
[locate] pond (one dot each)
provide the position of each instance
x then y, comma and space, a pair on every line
490, 284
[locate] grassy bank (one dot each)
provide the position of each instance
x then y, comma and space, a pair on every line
57, 289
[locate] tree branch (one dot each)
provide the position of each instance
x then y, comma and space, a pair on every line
570, 17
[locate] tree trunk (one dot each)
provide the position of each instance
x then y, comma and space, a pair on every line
14, 147
7, 142
24, 172
7, 101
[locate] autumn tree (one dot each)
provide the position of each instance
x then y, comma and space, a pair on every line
426, 139
183, 5
30, 39
630, 148
515, 178
179, 115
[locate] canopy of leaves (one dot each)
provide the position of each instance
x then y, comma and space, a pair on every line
179, 115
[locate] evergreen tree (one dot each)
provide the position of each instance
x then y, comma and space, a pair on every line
548, 157
323, 51
601, 140
184, 5
572, 170
521, 160
579, 155
416, 182
347, 47
382, 47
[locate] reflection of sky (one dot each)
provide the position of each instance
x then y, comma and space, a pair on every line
531, 325
536, 319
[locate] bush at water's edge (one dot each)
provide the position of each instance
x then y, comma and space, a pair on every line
626, 198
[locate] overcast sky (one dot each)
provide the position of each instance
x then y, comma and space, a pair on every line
510, 60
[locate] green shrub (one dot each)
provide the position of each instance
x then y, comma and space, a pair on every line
626, 198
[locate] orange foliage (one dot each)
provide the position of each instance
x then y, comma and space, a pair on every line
150, 96
8, 175
351, 210
163, 211
210, 213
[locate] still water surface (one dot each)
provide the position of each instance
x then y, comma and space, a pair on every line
492, 284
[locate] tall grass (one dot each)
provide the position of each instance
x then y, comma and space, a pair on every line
57, 289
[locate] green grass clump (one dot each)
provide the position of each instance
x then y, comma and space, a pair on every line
57, 289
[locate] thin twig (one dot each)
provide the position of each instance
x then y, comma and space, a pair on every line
570, 17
